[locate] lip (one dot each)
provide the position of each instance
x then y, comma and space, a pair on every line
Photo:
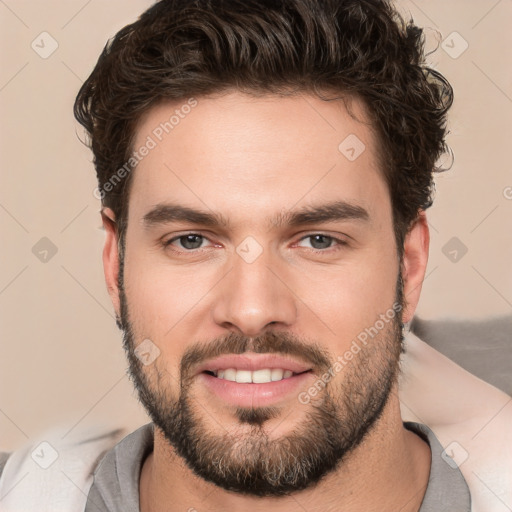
253, 394
253, 362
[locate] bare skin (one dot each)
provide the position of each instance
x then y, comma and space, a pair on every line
250, 159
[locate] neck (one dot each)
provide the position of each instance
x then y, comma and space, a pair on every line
388, 471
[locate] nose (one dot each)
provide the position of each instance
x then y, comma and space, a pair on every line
253, 296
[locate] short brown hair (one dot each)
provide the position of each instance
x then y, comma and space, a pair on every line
360, 48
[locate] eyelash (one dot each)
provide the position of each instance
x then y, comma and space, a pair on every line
340, 243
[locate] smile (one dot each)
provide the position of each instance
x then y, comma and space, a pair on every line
262, 376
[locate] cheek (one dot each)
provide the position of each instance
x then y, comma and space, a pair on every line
345, 300
165, 302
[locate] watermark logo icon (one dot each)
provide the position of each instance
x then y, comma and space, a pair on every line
352, 147
454, 249
147, 352
44, 45
44, 455
454, 455
249, 249
44, 250
454, 45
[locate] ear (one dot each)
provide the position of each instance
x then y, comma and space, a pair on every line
414, 264
111, 258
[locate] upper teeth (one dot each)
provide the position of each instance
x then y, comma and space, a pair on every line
257, 376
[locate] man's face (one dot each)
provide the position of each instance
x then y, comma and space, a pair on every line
255, 294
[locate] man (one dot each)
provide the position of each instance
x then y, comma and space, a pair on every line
264, 169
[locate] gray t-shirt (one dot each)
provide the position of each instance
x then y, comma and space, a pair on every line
116, 479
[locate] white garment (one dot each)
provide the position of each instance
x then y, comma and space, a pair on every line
25, 486
471, 419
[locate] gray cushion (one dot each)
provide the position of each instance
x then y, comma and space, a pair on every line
3, 460
483, 347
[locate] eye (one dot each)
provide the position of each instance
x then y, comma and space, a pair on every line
188, 242
320, 242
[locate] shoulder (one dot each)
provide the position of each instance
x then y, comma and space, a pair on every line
470, 418
53, 472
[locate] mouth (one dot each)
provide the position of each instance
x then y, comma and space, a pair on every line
254, 380
262, 376
251, 367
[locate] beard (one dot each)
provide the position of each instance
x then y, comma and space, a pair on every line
248, 461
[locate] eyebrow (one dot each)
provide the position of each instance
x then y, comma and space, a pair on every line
165, 213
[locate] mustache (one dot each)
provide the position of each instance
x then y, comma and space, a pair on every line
272, 342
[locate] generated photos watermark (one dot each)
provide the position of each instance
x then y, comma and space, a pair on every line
151, 142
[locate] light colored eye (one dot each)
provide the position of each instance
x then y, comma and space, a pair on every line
188, 242
319, 241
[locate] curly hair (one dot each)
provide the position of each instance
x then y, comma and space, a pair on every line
357, 48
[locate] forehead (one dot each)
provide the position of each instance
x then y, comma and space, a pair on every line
244, 155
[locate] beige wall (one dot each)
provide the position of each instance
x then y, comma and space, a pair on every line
61, 361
